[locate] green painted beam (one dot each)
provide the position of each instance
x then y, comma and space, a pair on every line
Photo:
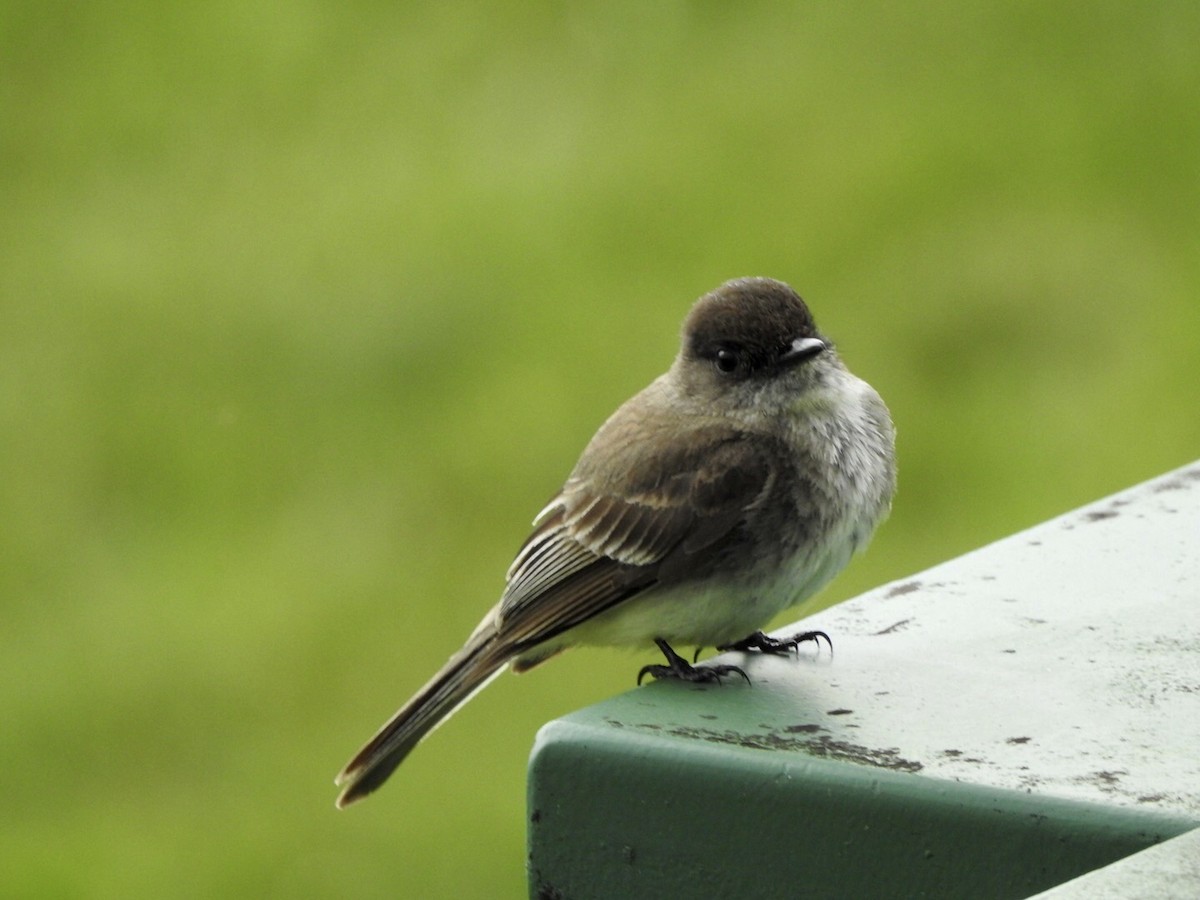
992, 727
1166, 871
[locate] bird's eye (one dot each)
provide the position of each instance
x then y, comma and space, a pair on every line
727, 360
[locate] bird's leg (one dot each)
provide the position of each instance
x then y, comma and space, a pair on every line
678, 667
766, 644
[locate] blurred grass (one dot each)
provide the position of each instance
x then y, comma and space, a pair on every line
306, 308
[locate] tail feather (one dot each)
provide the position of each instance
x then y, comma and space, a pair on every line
466, 673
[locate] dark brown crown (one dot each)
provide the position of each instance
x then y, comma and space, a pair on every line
759, 317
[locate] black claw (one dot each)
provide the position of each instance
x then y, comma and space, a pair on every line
766, 644
679, 668
720, 670
656, 671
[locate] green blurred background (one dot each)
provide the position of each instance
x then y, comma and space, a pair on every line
306, 308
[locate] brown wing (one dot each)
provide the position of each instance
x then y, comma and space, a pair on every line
607, 534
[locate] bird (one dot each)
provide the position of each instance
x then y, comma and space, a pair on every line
733, 487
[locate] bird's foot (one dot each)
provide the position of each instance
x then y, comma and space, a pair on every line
679, 668
764, 643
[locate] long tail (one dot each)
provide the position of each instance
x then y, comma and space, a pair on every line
468, 671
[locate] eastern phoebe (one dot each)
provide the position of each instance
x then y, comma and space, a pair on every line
733, 487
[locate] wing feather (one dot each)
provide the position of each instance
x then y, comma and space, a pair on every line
604, 539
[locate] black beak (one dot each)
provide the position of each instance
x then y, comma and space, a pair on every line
802, 349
